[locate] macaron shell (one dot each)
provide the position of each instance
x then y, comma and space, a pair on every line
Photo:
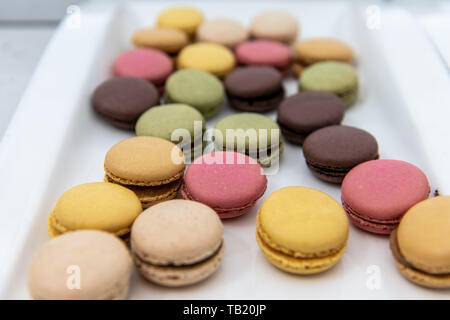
423, 235
226, 181
197, 88
253, 81
99, 205
103, 260
331, 76
186, 19
164, 120
308, 111
331, 151
123, 99
180, 276
211, 57
150, 64
169, 40
384, 189
303, 223
298, 266
227, 32
245, 121
275, 25
155, 161
177, 232
321, 49
264, 52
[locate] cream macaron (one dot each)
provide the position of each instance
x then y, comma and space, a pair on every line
81, 265
177, 243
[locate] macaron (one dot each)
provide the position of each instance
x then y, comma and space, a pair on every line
178, 123
199, 89
265, 53
331, 76
254, 88
121, 100
169, 40
252, 134
211, 57
99, 206
149, 64
151, 167
302, 230
186, 19
302, 113
228, 182
177, 243
421, 244
320, 49
331, 152
275, 25
81, 265
224, 31
377, 193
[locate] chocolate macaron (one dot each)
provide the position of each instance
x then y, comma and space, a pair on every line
254, 88
307, 111
121, 100
331, 152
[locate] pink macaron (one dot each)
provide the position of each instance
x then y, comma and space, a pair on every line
150, 64
266, 53
228, 182
376, 194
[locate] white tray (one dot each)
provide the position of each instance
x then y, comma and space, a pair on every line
56, 141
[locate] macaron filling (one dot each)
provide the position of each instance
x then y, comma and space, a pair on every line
330, 171
372, 224
261, 103
225, 212
150, 195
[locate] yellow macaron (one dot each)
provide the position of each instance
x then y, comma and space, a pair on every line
302, 230
186, 19
100, 206
211, 57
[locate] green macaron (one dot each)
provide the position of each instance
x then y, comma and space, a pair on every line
331, 76
162, 121
197, 88
250, 133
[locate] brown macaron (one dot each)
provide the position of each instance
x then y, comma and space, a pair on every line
254, 88
331, 152
121, 100
307, 111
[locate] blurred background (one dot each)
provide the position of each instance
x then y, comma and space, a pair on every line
26, 27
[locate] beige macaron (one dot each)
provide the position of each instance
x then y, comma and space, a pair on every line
227, 32
320, 49
83, 265
421, 244
275, 25
177, 242
151, 167
169, 40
